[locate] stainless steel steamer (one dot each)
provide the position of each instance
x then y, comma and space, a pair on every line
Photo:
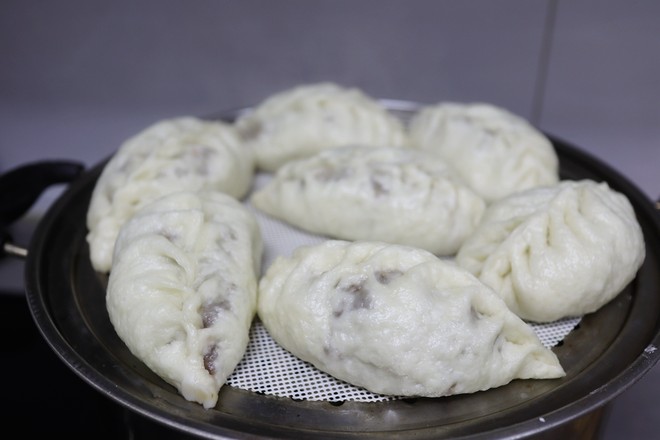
607, 353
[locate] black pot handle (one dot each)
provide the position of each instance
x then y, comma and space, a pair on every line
21, 187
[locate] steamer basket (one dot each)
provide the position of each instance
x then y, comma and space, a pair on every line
273, 395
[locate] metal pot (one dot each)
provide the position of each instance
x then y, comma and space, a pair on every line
607, 353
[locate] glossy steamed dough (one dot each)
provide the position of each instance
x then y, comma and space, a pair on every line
183, 153
397, 320
397, 195
182, 292
301, 121
558, 251
497, 152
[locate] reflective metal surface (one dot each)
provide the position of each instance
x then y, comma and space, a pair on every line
609, 351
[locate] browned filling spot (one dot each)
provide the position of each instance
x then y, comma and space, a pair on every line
386, 276
361, 297
358, 298
210, 357
211, 311
378, 187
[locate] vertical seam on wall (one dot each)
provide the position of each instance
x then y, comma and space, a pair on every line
538, 99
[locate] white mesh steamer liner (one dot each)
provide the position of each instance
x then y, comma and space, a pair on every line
269, 369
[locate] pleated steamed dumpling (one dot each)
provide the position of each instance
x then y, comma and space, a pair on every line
397, 195
559, 251
397, 320
183, 289
497, 152
183, 153
306, 119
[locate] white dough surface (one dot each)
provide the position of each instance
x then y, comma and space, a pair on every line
182, 293
497, 152
397, 320
397, 195
176, 154
306, 119
558, 251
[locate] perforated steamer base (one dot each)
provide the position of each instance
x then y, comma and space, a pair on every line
269, 369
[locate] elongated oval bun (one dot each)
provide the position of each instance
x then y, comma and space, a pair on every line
558, 251
177, 154
397, 195
298, 122
182, 293
397, 320
495, 151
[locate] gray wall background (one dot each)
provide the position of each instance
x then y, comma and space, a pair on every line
77, 77
86, 74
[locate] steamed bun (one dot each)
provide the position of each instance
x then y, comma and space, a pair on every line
183, 153
298, 122
183, 289
397, 320
397, 195
558, 251
496, 152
